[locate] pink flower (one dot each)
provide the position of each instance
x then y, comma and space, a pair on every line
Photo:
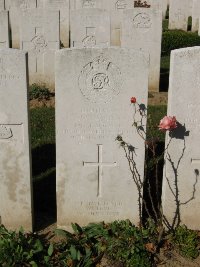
133, 100
168, 123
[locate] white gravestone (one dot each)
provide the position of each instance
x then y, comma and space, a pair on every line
114, 7
195, 15
142, 30
40, 3
63, 7
2, 5
4, 32
117, 7
93, 90
179, 11
184, 103
15, 7
90, 28
79, 4
40, 37
15, 169
164, 8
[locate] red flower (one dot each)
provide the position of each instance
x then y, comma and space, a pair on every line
133, 100
168, 123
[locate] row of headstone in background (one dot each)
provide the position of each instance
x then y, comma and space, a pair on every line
180, 11
90, 27
196, 16
113, 7
40, 37
4, 30
94, 182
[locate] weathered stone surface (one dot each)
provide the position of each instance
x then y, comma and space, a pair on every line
63, 7
40, 37
79, 4
182, 156
142, 30
15, 7
15, 174
4, 33
117, 8
195, 15
93, 90
179, 11
164, 7
2, 5
90, 28
114, 7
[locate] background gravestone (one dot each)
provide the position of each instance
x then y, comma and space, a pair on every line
142, 30
184, 103
114, 7
2, 5
164, 7
90, 28
117, 8
4, 33
40, 37
93, 90
15, 175
15, 7
79, 4
63, 7
195, 15
179, 11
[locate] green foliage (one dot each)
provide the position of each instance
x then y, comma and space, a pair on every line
175, 39
186, 241
165, 24
20, 249
165, 64
155, 114
83, 248
126, 243
42, 126
39, 92
120, 241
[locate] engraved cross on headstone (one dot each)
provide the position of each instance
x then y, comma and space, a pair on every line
89, 39
100, 164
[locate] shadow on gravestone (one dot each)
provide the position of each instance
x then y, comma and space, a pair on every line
179, 133
44, 185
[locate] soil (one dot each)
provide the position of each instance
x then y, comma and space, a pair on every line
155, 98
159, 98
166, 258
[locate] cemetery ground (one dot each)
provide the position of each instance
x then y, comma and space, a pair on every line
116, 244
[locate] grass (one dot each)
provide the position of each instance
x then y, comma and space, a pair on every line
165, 64
42, 126
156, 113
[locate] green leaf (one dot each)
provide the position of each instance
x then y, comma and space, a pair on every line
46, 259
33, 264
77, 229
38, 246
50, 250
63, 233
73, 252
